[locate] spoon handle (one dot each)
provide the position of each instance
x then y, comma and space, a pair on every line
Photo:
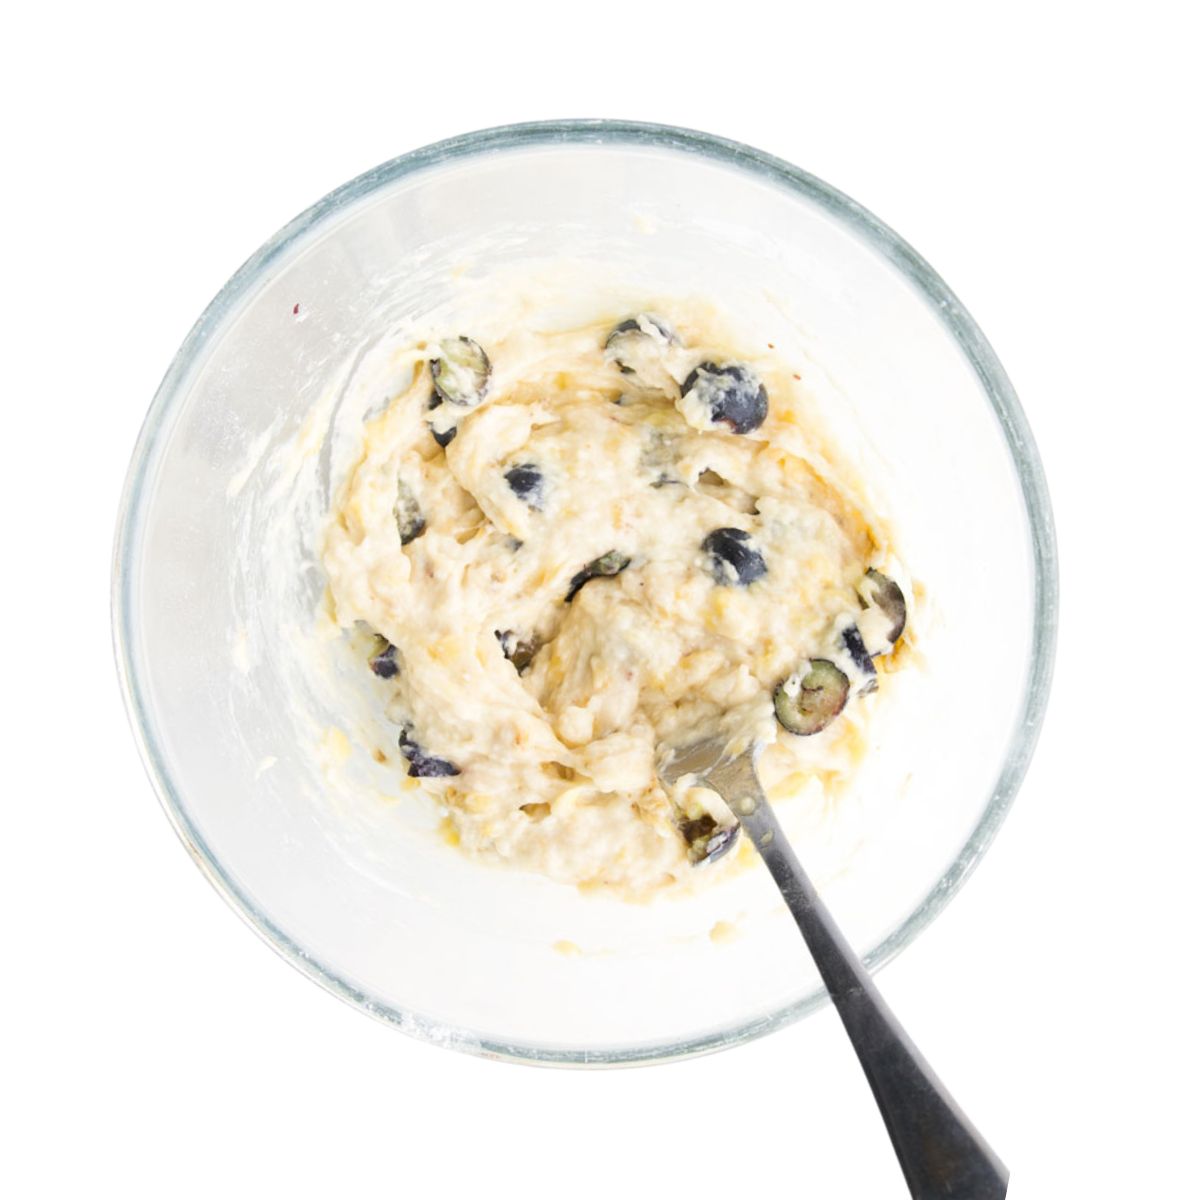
941, 1153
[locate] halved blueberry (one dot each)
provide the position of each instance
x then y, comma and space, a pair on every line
612, 563
383, 658
636, 336
422, 765
805, 704
461, 371
731, 394
886, 593
706, 840
733, 557
518, 652
528, 483
409, 520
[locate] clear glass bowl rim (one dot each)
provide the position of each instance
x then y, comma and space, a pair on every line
869, 229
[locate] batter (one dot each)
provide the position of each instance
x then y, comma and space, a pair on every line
565, 549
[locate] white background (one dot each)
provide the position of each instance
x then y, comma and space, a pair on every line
1042, 158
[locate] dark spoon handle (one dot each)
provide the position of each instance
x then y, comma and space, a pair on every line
941, 1153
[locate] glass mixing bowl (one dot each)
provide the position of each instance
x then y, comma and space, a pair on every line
356, 888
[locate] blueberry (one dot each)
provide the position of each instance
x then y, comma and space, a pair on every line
612, 563
422, 765
706, 840
643, 324
409, 521
806, 704
461, 372
383, 658
859, 655
733, 558
731, 394
886, 593
528, 483
635, 337
518, 652
442, 439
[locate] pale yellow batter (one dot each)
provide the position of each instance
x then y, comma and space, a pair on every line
595, 566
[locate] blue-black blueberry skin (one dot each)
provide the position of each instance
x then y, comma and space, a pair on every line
612, 563
733, 393
733, 557
859, 654
527, 483
421, 764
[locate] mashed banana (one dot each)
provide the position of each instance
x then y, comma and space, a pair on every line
575, 547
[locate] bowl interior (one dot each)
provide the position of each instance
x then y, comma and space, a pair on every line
248, 716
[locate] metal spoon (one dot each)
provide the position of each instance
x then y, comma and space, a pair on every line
941, 1153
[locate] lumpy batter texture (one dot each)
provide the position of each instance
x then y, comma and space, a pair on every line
565, 550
